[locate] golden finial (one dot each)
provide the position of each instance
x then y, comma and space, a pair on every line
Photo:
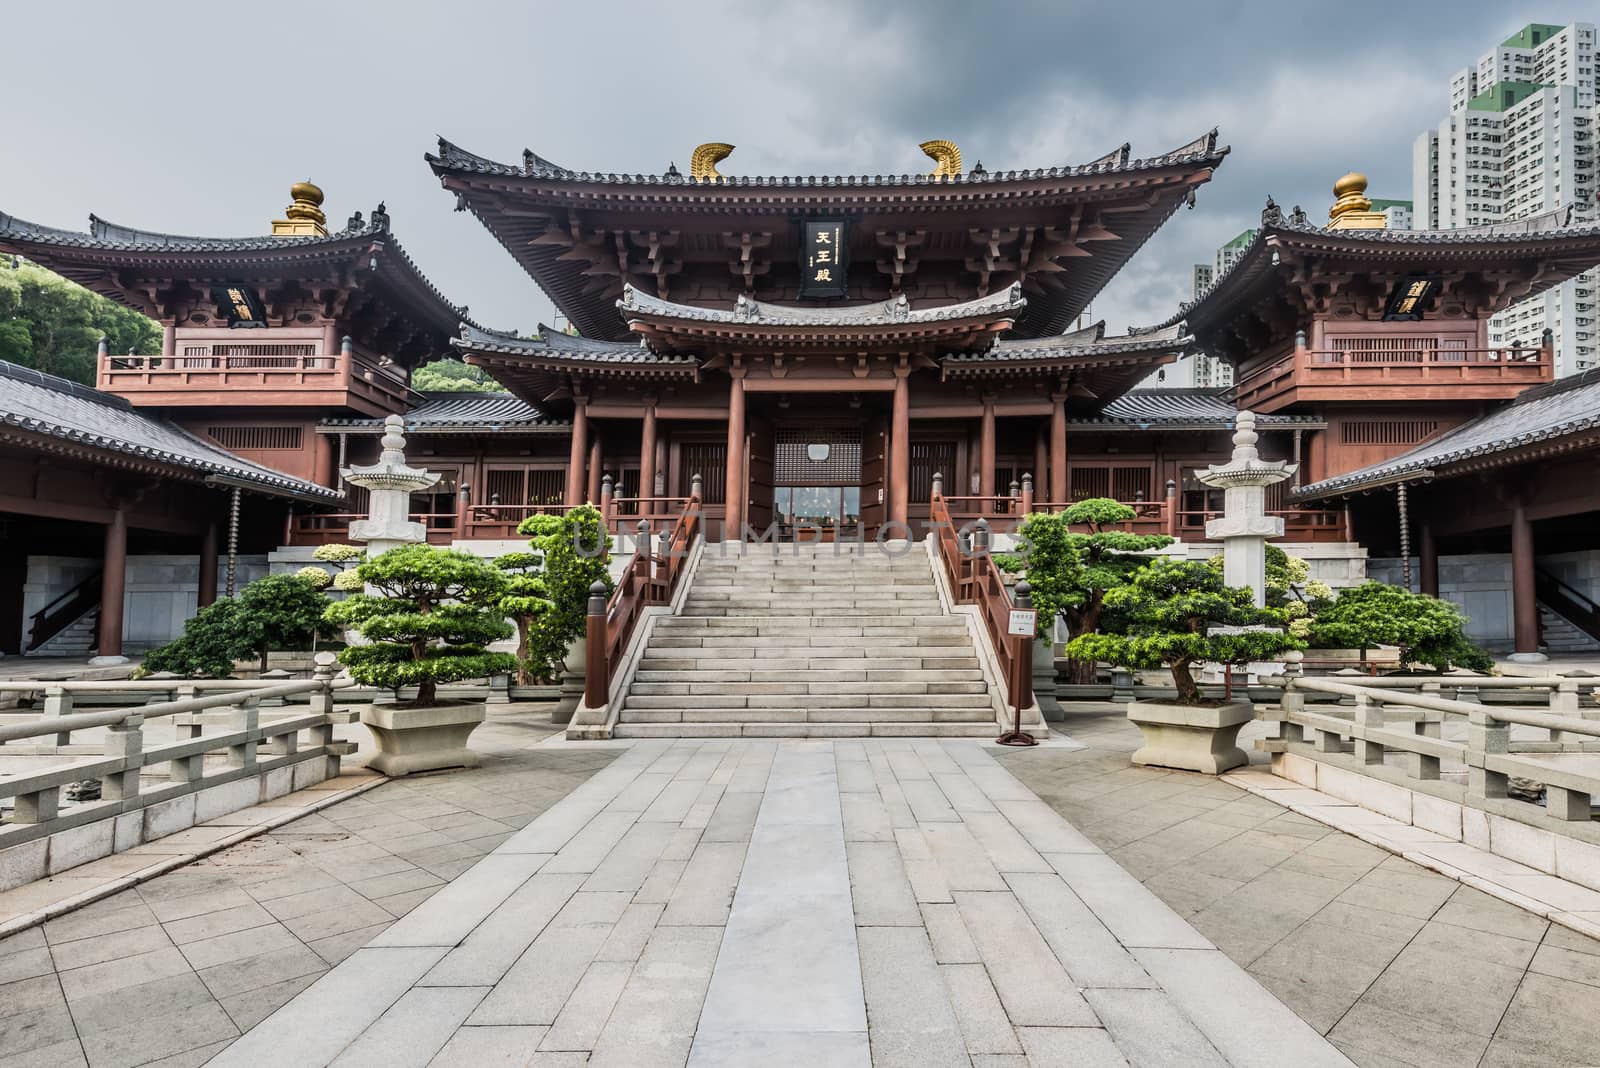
1351, 191
303, 217
946, 155
703, 162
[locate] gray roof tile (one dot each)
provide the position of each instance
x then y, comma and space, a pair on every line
45, 404
458, 412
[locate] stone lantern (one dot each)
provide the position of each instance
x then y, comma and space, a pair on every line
1245, 526
389, 483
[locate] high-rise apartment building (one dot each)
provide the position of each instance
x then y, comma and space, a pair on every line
1519, 141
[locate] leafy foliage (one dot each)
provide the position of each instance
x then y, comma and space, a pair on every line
1166, 610
453, 376
1070, 573
54, 325
577, 553
317, 576
435, 612
1291, 594
337, 553
213, 638
1427, 630
528, 605
276, 612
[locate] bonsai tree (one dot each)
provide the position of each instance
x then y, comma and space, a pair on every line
1169, 609
1291, 591
213, 638
282, 612
435, 613
1071, 573
343, 557
576, 552
1426, 629
527, 604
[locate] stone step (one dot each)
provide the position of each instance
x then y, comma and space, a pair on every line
769, 658
781, 702
853, 686
808, 714
835, 729
875, 643
714, 670
804, 624
893, 599
863, 674
834, 612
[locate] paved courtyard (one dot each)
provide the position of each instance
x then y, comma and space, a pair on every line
1397, 965
739, 902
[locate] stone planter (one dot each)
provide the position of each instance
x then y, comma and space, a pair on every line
1200, 738
574, 671
413, 739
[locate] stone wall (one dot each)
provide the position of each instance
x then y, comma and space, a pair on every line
1480, 584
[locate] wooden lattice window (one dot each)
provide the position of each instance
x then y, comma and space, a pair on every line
826, 456
1387, 431
709, 460
256, 438
927, 459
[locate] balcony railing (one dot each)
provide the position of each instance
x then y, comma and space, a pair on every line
208, 367
1377, 362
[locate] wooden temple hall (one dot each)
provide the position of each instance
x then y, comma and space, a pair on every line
814, 349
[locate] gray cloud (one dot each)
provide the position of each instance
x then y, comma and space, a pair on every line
196, 118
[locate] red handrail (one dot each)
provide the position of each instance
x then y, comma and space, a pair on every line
651, 577
975, 579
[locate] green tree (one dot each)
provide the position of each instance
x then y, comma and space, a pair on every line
453, 376
1291, 591
281, 612
1426, 629
576, 550
54, 325
1168, 610
528, 605
213, 638
431, 621
1071, 572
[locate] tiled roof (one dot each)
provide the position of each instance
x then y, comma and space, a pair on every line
1556, 410
456, 412
1090, 341
44, 404
1184, 407
452, 157
893, 312
1550, 225
555, 343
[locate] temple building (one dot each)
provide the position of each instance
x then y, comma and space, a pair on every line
814, 349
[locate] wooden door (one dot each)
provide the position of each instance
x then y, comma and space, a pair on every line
758, 470
874, 475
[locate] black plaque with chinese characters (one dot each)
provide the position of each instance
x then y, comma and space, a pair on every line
824, 258
240, 305
1412, 296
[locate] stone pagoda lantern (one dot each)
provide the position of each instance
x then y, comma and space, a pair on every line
390, 483
1245, 526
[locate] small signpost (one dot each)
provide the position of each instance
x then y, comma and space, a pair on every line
1020, 629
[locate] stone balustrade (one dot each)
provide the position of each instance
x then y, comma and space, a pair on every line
135, 792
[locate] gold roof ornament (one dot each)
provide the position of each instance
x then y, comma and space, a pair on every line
947, 157
703, 163
1353, 210
303, 217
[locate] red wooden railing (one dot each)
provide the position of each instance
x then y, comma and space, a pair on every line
975, 579
651, 577
1398, 362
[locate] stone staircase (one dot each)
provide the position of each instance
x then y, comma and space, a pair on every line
77, 638
809, 640
1560, 636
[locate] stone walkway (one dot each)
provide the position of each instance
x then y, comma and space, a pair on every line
841, 903
179, 966
1397, 965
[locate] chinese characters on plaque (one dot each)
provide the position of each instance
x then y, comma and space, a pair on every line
240, 305
824, 258
1411, 298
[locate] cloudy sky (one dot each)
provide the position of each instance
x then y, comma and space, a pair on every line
196, 117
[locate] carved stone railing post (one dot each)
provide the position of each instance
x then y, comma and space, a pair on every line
57, 703
245, 716
1486, 736
643, 557
1369, 713
1293, 700
124, 741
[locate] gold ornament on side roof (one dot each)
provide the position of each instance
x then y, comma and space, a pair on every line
703, 163
303, 217
946, 155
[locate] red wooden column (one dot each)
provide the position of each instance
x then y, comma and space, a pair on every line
580, 448
1428, 559
900, 454
113, 581
733, 498
1524, 603
1041, 464
647, 451
986, 450
596, 464
1058, 447
208, 566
